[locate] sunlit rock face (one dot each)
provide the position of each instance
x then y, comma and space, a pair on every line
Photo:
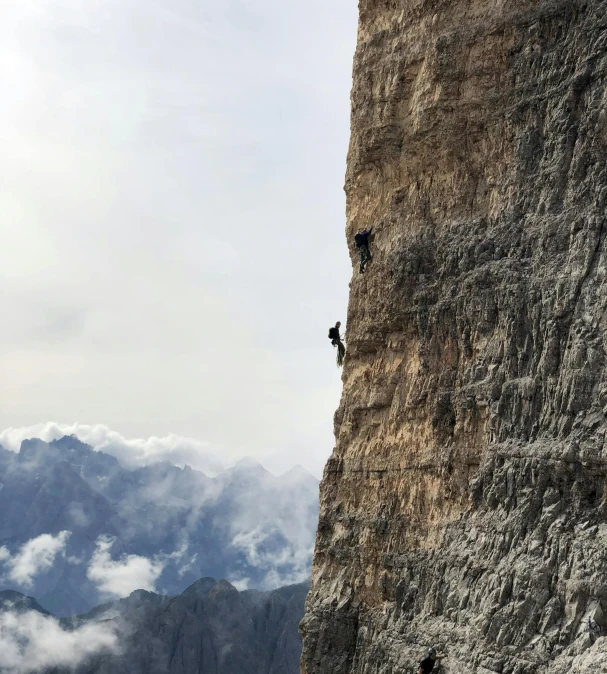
464, 505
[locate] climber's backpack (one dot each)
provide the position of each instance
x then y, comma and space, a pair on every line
333, 333
359, 239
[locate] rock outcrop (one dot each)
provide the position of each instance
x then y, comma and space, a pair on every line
464, 505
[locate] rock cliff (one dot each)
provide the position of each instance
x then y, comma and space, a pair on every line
464, 505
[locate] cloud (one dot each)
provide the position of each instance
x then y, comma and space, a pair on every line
196, 311
34, 557
177, 558
241, 584
276, 533
132, 453
76, 513
120, 578
188, 566
283, 565
31, 642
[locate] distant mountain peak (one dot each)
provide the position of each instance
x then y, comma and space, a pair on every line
298, 472
200, 588
248, 465
224, 587
141, 595
71, 442
228, 631
31, 444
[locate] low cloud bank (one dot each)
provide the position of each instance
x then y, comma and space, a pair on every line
31, 642
120, 578
131, 452
34, 557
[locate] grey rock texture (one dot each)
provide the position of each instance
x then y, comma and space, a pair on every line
211, 628
464, 505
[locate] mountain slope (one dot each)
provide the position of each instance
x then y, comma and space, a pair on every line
15, 601
211, 628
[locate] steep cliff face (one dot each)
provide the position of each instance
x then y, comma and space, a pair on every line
464, 505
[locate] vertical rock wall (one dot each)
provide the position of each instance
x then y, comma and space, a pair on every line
464, 505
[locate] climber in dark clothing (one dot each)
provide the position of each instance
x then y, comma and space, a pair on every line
362, 243
335, 338
427, 664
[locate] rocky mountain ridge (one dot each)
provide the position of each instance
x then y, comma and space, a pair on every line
210, 628
464, 505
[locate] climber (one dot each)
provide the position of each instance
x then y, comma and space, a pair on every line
362, 243
336, 341
427, 664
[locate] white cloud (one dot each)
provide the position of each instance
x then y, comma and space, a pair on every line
241, 584
131, 452
188, 566
34, 557
178, 558
31, 642
276, 533
285, 566
138, 452
76, 513
120, 578
72, 559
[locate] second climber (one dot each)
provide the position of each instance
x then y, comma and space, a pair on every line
336, 341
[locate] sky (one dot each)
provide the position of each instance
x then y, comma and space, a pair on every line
172, 220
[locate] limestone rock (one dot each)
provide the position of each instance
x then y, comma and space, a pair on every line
464, 505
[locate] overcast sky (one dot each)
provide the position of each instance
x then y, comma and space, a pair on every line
172, 219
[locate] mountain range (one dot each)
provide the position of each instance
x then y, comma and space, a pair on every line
108, 530
210, 628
